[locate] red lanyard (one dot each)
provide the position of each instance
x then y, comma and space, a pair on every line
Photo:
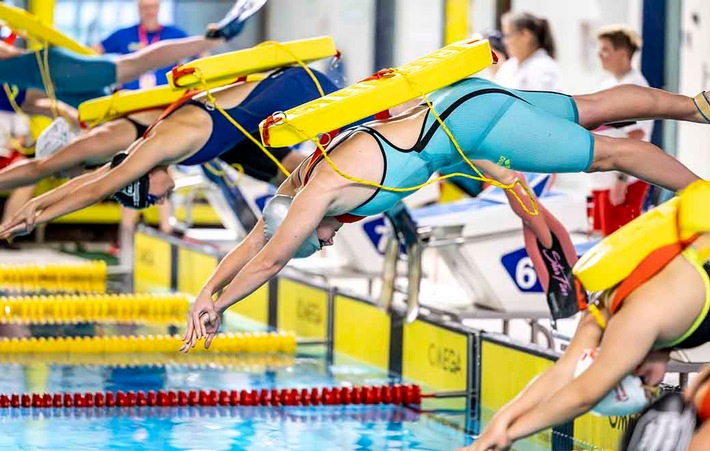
143, 36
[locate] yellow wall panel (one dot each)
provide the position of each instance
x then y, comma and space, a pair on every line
255, 306
193, 270
151, 264
302, 309
435, 356
361, 331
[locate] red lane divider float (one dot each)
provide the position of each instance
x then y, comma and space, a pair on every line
385, 394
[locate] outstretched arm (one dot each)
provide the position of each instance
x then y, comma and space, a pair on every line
95, 146
308, 209
629, 337
542, 387
254, 262
238, 257
24, 220
145, 155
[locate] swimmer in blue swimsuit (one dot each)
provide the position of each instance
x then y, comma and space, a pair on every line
496, 127
78, 78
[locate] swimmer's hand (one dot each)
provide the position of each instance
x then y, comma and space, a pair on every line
494, 438
22, 223
203, 321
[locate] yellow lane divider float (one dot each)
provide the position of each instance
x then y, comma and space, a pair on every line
118, 308
233, 343
257, 362
38, 278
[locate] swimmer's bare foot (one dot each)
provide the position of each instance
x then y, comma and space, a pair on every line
702, 103
233, 22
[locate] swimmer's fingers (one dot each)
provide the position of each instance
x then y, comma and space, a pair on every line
187, 339
204, 318
195, 315
208, 340
11, 228
189, 329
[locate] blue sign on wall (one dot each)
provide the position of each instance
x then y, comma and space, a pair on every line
520, 268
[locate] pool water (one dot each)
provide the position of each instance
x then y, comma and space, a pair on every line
213, 428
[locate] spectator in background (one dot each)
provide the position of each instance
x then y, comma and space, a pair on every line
531, 46
618, 198
128, 40
147, 32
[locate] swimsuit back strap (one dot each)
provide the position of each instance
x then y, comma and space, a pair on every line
649, 267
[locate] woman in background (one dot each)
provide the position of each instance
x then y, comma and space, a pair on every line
529, 42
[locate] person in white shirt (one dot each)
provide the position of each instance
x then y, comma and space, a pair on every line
618, 198
531, 46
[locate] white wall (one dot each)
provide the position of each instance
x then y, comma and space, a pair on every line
483, 15
695, 76
418, 29
350, 22
419, 25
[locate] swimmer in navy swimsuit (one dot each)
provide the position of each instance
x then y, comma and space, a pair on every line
99, 145
192, 134
541, 132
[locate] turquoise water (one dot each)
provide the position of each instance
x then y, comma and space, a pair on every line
212, 428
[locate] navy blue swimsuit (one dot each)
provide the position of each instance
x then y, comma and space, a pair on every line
280, 91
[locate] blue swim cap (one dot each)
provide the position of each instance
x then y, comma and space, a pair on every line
275, 212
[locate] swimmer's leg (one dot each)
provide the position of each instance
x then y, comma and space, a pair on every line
627, 102
164, 53
551, 250
547, 243
642, 160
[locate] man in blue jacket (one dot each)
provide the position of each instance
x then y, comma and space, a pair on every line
148, 31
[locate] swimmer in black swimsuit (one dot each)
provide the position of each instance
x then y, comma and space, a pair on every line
193, 133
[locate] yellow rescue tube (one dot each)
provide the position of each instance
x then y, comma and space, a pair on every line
122, 103
616, 256
378, 93
261, 58
693, 211
22, 21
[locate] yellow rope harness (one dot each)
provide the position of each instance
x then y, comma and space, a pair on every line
478, 177
43, 65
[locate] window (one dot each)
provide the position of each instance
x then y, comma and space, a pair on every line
90, 21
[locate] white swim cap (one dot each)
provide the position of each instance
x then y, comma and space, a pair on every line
53, 138
627, 398
275, 212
